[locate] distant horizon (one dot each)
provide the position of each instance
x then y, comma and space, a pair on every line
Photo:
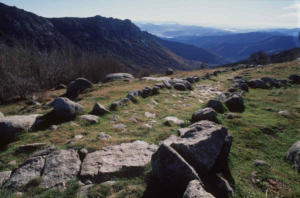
236, 14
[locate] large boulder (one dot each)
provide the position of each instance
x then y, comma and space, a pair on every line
117, 76
235, 103
65, 109
99, 109
77, 86
30, 169
170, 169
293, 155
60, 166
205, 146
295, 78
216, 105
205, 114
126, 159
10, 126
196, 190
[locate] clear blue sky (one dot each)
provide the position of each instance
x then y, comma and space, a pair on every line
222, 13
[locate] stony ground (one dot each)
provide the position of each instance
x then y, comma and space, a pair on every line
260, 133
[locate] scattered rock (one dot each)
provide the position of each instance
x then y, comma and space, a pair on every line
146, 92
179, 86
115, 118
167, 84
120, 126
117, 76
103, 136
126, 159
150, 115
205, 114
91, 119
134, 119
60, 166
82, 153
53, 127
261, 163
65, 109
148, 126
1, 115
99, 109
235, 103
295, 78
12, 163
293, 155
195, 190
10, 126
169, 71
257, 84
155, 90
232, 116
216, 105
30, 169
4, 176
31, 147
78, 137
285, 113
77, 87
171, 119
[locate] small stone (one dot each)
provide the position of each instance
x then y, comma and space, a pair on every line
53, 127
150, 115
77, 137
133, 119
261, 163
120, 126
12, 163
103, 136
91, 119
115, 118
171, 119
284, 113
148, 126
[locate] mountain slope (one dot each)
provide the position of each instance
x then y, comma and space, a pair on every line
192, 52
104, 36
240, 46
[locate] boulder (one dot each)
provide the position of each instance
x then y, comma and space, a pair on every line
167, 84
170, 169
60, 166
272, 82
30, 169
99, 109
179, 86
244, 86
216, 105
235, 103
126, 159
77, 86
205, 114
91, 119
295, 78
169, 71
65, 109
4, 176
10, 126
155, 90
205, 146
117, 76
293, 155
132, 97
190, 80
196, 190
257, 84
146, 92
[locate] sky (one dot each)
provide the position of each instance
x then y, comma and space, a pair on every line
213, 13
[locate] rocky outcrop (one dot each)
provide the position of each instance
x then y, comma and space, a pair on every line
293, 155
10, 126
65, 109
126, 159
77, 87
117, 76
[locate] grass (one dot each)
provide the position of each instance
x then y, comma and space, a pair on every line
258, 134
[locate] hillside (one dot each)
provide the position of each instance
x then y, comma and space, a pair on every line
104, 36
192, 52
98, 156
240, 46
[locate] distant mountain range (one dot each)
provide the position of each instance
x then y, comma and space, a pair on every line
240, 46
